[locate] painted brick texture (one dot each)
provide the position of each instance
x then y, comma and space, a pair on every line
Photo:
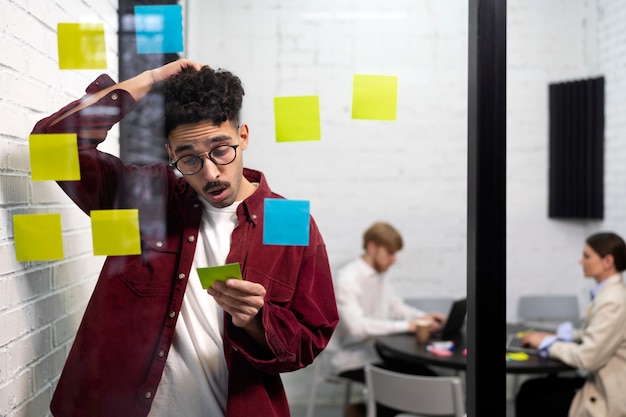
41, 303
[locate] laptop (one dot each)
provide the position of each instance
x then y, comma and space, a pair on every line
455, 321
514, 344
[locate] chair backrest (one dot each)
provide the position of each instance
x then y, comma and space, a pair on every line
431, 304
431, 395
548, 308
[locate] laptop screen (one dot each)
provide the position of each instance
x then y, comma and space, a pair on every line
456, 318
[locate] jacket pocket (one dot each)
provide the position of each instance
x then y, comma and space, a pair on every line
278, 291
151, 274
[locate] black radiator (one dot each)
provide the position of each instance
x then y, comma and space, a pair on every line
576, 188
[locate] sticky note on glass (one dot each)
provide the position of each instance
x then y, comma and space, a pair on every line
297, 118
516, 356
159, 29
115, 232
374, 97
211, 274
37, 237
286, 222
81, 46
54, 157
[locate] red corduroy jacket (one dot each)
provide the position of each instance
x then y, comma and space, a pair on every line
119, 353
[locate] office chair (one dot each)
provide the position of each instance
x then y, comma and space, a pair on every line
548, 311
323, 372
431, 304
423, 395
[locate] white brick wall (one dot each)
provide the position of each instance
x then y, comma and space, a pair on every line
41, 303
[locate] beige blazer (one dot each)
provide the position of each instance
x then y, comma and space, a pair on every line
600, 350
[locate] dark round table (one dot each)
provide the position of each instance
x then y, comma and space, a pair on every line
404, 348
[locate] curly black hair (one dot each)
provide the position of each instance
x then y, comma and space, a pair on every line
193, 96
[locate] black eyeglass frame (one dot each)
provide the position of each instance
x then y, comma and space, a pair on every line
174, 164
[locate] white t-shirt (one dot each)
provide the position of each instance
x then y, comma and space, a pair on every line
195, 378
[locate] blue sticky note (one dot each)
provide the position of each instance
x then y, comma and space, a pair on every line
159, 29
286, 222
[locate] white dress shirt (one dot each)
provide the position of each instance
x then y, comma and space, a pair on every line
367, 307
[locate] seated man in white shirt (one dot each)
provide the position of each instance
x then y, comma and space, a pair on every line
368, 306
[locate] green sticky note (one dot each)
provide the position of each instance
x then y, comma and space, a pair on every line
54, 157
37, 237
218, 273
115, 232
374, 97
297, 118
81, 46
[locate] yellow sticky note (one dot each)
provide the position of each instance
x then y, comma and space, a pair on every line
81, 46
297, 118
38, 237
516, 356
54, 157
115, 232
374, 97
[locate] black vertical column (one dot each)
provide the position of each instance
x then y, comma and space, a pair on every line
141, 132
486, 211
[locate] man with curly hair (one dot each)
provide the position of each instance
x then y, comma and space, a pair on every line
152, 341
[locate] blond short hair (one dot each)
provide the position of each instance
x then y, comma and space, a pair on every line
383, 234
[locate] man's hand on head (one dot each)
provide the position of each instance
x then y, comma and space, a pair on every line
167, 70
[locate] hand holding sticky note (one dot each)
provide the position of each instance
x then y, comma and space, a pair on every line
211, 274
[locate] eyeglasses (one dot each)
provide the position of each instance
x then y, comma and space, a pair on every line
192, 164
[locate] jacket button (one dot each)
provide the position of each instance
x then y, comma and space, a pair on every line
114, 96
161, 353
159, 244
172, 314
148, 394
181, 276
592, 399
191, 238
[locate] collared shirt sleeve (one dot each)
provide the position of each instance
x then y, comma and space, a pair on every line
564, 333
